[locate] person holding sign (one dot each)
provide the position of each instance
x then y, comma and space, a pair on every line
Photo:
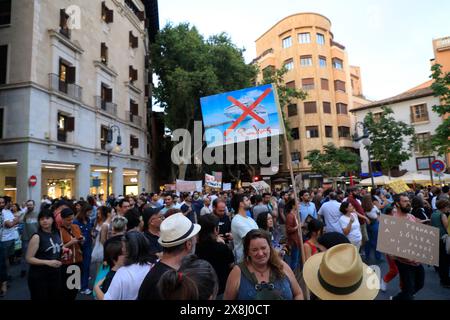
412, 273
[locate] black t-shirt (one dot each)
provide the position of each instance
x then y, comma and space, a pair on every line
220, 256
155, 247
224, 224
149, 287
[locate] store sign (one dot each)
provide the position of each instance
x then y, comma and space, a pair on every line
133, 180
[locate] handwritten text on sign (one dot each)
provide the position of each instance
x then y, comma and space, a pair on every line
405, 239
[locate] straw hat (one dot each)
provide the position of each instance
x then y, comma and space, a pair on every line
176, 230
340, 274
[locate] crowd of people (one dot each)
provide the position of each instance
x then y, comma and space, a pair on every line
237, 245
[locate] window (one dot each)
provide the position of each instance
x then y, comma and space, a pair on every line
134, 144
306, 61
320, 39
419, 113
424, 163
310, 107
295, 134
134, 41
65, 124
5, 12
421, 139
329, 131
289, 64
322, 62
377, 116
292, 110
104, 53
134, 108
327, 107
1, 122
339, 85
295, 156
287, 42
107, 14
304, 37
139, 14
324, 84
341, 108
66, 75
103, 137
3, 63
312, 132
344, 132
106, 95
308, 84
338, 63
64, 23
269, 70
290, 84
133, 73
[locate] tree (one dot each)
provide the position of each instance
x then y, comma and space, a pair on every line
387, 138
286, 95
190, 67
333, 161
441, 87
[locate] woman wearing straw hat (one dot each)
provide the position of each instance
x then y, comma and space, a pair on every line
262, 275
340, 274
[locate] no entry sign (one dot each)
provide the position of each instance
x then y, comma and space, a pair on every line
32, 181
438, 166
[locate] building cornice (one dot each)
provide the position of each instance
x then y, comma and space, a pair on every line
125, 11
106, 69
68, 43
133, 87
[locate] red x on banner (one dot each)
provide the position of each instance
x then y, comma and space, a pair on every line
247, 111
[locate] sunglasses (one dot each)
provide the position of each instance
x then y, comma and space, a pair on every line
264, 285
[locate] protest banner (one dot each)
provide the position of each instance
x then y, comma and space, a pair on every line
170, 187
242, 115
210, 181
187, 186
226, 187
405, 239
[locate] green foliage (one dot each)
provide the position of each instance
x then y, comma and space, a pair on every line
190, 67
333, 161
387, 138
440, 141
285, 95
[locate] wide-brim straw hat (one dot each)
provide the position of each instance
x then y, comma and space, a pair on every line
340, 274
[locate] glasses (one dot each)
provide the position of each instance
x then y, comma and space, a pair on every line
264, 285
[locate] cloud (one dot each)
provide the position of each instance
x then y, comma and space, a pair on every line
254, 94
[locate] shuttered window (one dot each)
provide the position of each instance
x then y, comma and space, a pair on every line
310, 107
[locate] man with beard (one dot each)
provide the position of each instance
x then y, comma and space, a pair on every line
412, 273
219, 210
241, 224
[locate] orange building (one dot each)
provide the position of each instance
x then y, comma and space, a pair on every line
318, 65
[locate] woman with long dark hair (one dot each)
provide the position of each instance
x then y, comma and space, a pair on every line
44, 257
262, 275
84, 222
373, 213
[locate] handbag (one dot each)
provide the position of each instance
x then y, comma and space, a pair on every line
97, 252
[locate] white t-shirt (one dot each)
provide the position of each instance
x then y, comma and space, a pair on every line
373, 214
240, 226
8, 233
127, 281
355, 235
205, 211
330, 212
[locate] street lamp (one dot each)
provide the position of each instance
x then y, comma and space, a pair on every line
109, 147
366, 142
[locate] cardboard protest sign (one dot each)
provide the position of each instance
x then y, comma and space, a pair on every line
188, 186
403, 238
399, 186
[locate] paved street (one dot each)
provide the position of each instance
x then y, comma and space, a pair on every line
431, 291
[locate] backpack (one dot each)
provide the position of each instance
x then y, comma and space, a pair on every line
264, 290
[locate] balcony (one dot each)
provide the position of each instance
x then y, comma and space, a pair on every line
69, 89
108, 107
137, 120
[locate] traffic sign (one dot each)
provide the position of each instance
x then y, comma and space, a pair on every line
438, 166
32, 181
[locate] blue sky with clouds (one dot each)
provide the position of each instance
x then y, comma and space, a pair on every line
391, 40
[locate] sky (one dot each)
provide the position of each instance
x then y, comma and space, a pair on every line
391, 40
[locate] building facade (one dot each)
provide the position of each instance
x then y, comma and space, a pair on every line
304, 44
71, 71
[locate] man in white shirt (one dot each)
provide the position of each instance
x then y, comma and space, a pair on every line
9, 233
241, 224
331, 214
